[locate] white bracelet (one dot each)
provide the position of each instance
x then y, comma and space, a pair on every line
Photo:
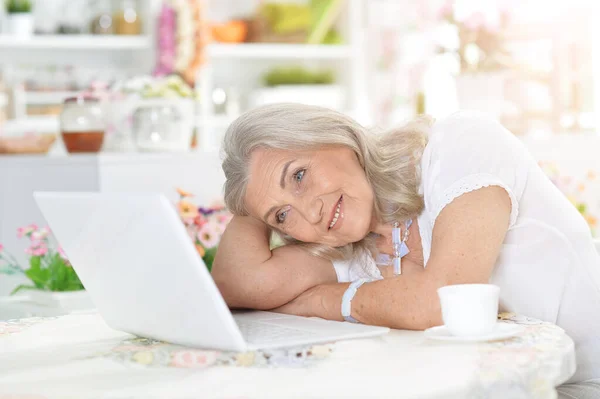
347, 299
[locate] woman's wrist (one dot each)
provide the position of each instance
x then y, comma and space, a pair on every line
330, 301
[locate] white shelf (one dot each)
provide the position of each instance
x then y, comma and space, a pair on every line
276, 51
214, 121
48, 98
75, 42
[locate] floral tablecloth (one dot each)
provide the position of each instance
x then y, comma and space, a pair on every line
78, 356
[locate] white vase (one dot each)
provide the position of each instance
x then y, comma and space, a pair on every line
66, 302
482, 91
20, 24
330, 96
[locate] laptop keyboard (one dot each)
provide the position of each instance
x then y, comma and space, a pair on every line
255, 332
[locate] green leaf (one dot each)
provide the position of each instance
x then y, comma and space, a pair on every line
18, 6
73, 282
23, 287
37, 274
35, 262
62, 276
58, 273
209, 257
297, 75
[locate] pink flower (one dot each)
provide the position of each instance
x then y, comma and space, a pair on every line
40, 234
193, 358
199, 220
36, 243
1, 247
40, 251
24, 231
188, 221
37, 248
208, 235
218, 228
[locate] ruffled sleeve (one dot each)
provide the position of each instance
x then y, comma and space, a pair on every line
469, 151
466, 151
361, 266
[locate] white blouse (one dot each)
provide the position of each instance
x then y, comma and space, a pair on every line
548, 267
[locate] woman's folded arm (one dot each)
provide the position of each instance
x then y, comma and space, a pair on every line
251, 275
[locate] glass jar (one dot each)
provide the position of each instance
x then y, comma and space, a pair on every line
159, 128
73, 18
82, 124
102, 23
127, 20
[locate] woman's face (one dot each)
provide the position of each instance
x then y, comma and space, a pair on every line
319, 196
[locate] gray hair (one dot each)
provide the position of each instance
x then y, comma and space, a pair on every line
390, 159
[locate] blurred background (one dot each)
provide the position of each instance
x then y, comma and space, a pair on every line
117, 95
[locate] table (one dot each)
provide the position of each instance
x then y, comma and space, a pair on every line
77, 355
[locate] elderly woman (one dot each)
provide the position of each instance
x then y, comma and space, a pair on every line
464, 196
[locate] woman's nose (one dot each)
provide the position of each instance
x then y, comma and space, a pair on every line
314, 210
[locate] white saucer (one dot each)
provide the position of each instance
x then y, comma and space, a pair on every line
501, 331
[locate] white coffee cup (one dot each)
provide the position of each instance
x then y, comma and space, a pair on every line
469, 309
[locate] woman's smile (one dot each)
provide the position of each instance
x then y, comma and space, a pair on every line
337, 215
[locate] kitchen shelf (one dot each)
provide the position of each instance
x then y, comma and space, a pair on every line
48, 97
222, 68
277, 51
75, 42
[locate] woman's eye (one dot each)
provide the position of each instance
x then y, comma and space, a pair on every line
281, 216
299, 175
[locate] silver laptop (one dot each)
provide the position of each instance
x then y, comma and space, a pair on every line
136, 260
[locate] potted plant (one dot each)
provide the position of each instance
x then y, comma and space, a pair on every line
20, 18
53, 282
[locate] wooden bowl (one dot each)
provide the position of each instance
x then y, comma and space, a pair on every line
29, 144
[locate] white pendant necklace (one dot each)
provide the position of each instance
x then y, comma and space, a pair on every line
399, 245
